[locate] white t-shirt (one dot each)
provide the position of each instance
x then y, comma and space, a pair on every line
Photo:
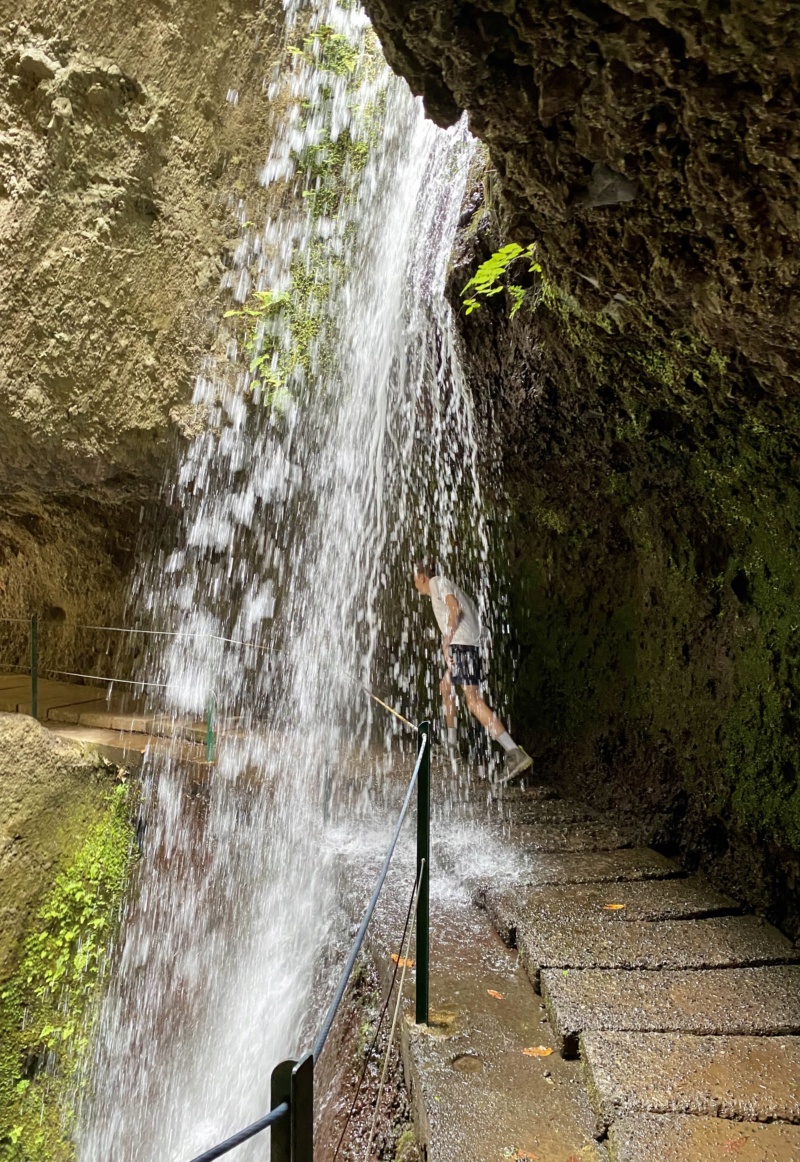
469, 627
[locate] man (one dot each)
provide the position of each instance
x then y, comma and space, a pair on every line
458, 620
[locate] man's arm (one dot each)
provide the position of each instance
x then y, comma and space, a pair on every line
454, 615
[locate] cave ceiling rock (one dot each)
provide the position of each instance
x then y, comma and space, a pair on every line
653, 146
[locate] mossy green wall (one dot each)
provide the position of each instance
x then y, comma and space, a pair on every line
656, 572
49, 1003
654, 568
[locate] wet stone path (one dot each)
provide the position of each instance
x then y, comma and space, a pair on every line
667, 1025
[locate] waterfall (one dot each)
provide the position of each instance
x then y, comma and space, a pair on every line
339, 443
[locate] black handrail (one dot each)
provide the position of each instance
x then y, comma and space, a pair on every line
322, 1036
243, 1135
299, 1075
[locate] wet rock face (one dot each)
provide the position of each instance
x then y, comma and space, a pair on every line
654, 573
651, 150
123, 149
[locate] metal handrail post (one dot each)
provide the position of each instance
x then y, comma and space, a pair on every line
34, 666
301, 1110
423, 872
281, 1091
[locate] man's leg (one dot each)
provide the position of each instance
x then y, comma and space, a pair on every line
481, 710
448, 693
518, 760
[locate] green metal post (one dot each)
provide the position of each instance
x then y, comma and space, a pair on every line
34, 666
210, 730
423, 872
281, 1091
301, 1110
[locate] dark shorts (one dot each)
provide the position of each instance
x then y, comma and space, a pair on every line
466, 669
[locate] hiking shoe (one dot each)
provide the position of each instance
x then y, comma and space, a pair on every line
517, 762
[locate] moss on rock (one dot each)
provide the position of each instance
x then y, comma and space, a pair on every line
75, 843
655, 574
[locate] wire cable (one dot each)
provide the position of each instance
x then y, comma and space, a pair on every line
110, 681
396, 1014
322, 1037
215, 637
378, 1027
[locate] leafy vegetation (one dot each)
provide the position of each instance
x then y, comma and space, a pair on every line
284, 333
49, 1004
330, 50
490, 277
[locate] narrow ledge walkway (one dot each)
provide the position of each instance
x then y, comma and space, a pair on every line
116, 725
673, 1017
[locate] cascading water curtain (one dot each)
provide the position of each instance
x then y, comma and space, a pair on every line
339, 442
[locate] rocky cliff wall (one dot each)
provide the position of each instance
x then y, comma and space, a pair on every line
129, 139
645, 397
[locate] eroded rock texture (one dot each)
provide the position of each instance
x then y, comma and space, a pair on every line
129, 138
650, 149
645, 397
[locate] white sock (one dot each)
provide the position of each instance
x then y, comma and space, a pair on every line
452, 735
506, 741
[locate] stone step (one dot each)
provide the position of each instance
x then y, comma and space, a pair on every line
672, 1138
552, 811
589, 836
754, 1079
593, 942
673, 899
522, 794
749, 1001
636, 863
478, 1097
537, 869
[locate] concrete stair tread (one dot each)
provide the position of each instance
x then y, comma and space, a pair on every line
672, 899
476, 1093
586, 836
749, 1001
551, 811
746, 1078
538, 869
593, 942
629, 863
674, 1138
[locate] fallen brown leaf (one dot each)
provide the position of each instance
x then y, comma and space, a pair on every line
537, 1051
613, 907
497, 996
401, 961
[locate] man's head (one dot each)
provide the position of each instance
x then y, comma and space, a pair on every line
424, 569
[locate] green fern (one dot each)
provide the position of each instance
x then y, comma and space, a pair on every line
489, 278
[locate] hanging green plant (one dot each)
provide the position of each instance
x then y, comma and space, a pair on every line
489, 278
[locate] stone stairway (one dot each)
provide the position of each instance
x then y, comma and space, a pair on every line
683, 1011
672, 1016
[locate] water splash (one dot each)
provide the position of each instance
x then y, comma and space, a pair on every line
339, 444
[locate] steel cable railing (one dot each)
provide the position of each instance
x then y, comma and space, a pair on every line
293, 1081
292, 1115
322, 1037
34, 669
